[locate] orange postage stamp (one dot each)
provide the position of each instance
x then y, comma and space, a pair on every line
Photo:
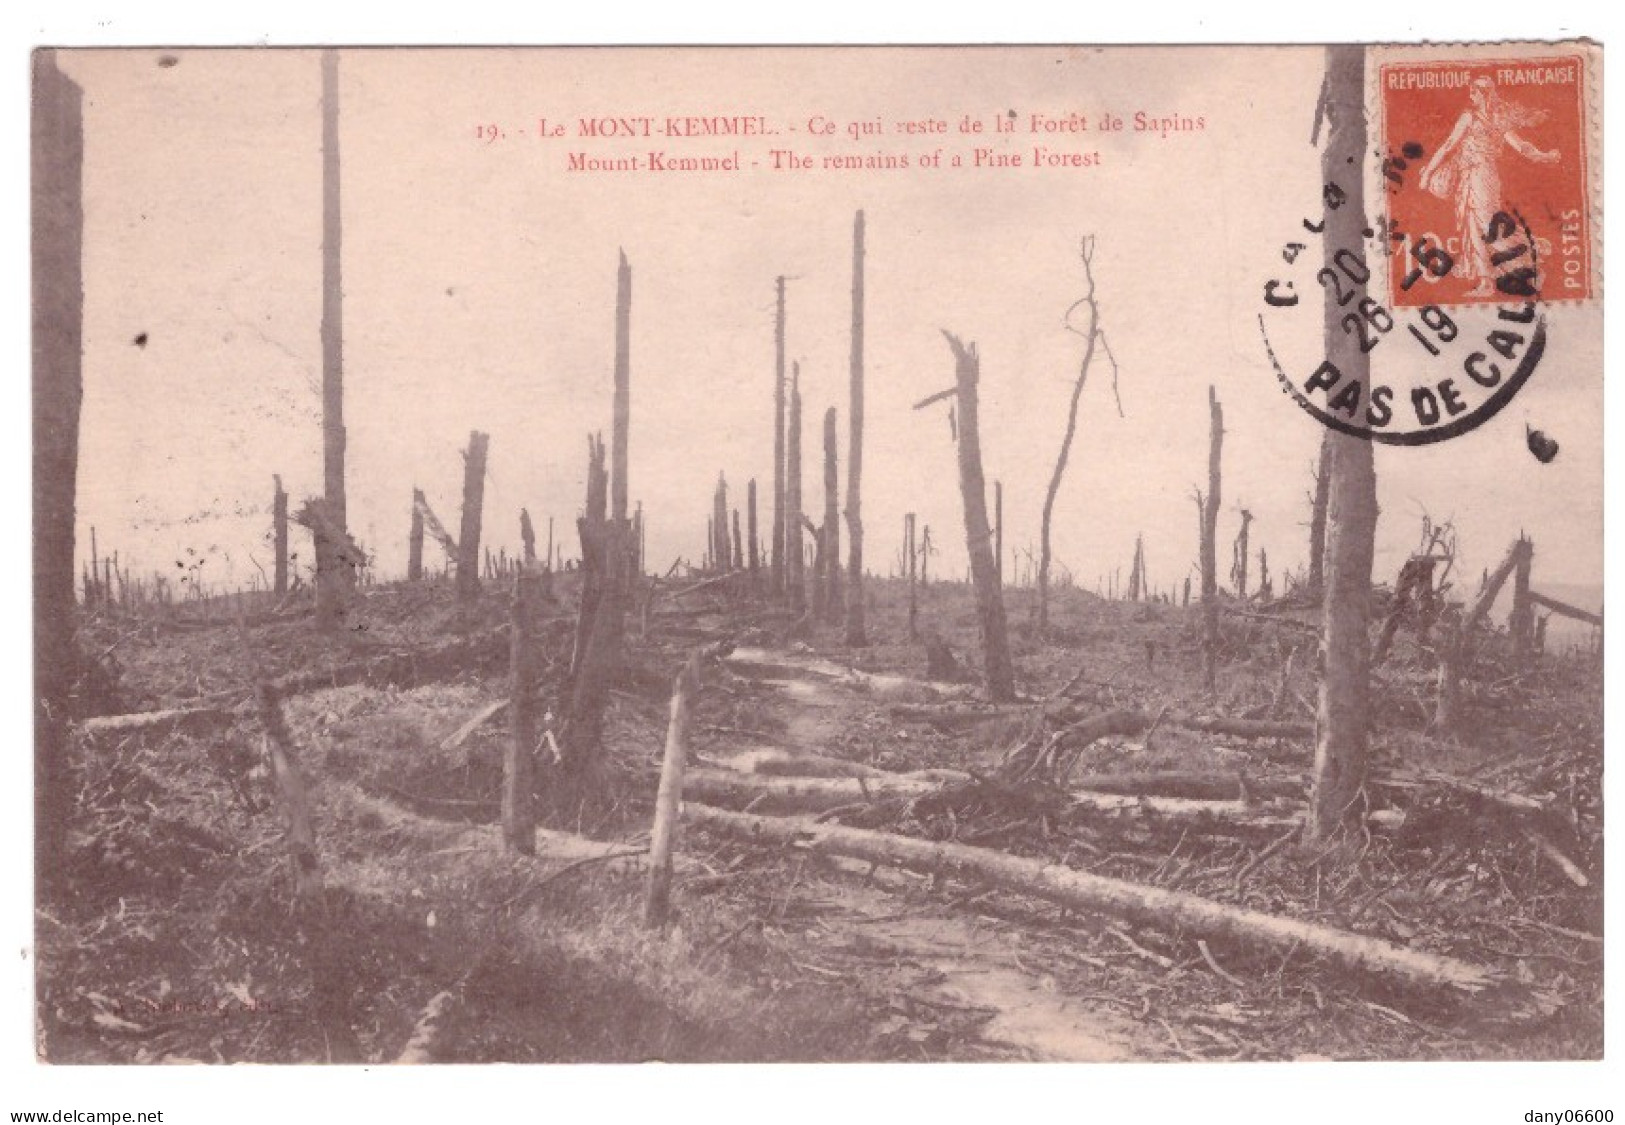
1487, 159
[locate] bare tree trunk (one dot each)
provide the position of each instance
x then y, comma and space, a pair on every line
57, 210
1317, 517
776, 573
1342, 724
279, 539
468, 550
519, 776
755, 545
414, 539
620, 433
796, 573
334, 579
669, 797
856, 634
1210, 541
1090, 335
832, 522
1000, 674
738, 544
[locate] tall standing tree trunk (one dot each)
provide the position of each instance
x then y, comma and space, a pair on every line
776, 571
1001, 686
468, 542
334, 579
414, 540
796, 571
831, 537
857, 635
738, 544
1210, 541
279, 539
1317, 517
1342, 725
57, 211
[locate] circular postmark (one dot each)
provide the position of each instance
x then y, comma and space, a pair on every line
1435, 373
1423, 324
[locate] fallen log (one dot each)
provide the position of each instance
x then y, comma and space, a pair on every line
1151, 906
820, 794
1191, 784
399, 669
1123, 722
774, 762
192, 720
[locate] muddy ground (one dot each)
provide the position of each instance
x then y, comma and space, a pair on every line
176, 938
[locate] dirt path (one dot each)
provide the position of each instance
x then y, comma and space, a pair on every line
940, 961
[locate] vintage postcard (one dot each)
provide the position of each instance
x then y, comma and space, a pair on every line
819, 554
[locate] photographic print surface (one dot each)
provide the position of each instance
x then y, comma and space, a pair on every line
909, 554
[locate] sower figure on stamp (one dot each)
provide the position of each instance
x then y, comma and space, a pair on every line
1467, 170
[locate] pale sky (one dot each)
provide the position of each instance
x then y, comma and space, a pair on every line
479, 288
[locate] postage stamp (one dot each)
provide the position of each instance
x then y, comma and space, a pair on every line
1467, 140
